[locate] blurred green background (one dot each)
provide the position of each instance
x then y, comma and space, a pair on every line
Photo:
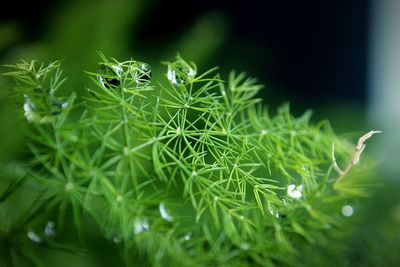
313, 55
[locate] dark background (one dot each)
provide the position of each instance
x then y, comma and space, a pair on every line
310, 53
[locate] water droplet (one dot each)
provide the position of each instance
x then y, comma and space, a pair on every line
140, 225
164, 214
33, 236
191, 73
141, 73
49, 109
180, 74
279, 209
126, 151
110, 75
69, 187
117, 239
244, 246
187, 236
49, 230
327, 226
57, 106
172, 76
29, 109
347, 210
294, 191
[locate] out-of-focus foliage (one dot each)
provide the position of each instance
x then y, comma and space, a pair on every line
75, 29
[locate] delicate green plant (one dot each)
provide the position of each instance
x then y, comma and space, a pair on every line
186, 171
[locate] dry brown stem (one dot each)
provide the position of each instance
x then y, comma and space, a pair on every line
355, 158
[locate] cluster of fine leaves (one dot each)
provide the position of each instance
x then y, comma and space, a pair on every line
190, 170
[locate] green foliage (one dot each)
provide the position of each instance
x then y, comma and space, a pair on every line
190, 170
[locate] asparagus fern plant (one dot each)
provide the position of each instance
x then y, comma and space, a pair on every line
189, 170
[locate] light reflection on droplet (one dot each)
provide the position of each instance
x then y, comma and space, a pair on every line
69, 187
119, 198
49, 230
245, 246
294, 191
117, 239
171, 75
57, 105
141, 73
187, 237
164, 214
347, 210
29, 109
64, 105
278, 210
140, 225
109, 75
327, 226
50, 108
191, 73
180, 74
33, 236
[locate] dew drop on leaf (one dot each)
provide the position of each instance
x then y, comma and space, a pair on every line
58, 106
279, 209
109, 76
164, 214
187, 237
294, 191
347, 211
33, 236
69, 187
44, 110
29, 109
172, 76
116, 239
141, 73
244, 246
140, 225
180, 74
49, 229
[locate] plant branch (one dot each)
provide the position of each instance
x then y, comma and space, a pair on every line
355, 158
